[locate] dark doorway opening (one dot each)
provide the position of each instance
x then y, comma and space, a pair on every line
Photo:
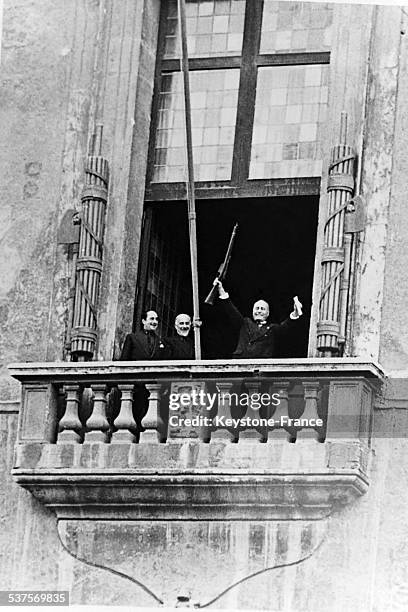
273, 259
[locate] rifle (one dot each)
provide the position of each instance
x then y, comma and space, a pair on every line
222, 270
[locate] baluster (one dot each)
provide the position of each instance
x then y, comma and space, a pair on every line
70, 424
259, 433
205, 429
223, 432
97, 425
281, 414
152, 421
311, 389
124, 422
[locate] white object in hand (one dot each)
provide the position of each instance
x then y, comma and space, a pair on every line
298, 305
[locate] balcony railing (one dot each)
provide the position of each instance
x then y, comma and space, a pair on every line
164, 439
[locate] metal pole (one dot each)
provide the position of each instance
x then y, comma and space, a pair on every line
190, 179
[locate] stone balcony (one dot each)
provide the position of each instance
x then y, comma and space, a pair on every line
82, 451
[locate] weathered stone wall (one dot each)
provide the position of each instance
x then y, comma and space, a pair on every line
360, 563
394, 319
367, 81
378, 158
66, 65
48, 58
35, 85
349, 60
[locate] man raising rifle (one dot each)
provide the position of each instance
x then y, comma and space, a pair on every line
257, 336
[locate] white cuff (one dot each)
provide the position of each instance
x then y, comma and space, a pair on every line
224, 297
294, 316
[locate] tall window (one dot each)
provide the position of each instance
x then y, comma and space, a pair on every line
259, 94
259, 91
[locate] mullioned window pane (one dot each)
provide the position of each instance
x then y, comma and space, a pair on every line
213, 126
214, 28
296, 27
290, 110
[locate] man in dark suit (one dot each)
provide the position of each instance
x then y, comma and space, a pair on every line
144, 344
180, 345
257, 336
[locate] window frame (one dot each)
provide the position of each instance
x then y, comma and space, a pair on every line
251, 59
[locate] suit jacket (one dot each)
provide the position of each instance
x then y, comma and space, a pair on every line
137, 347
179, 347
254, 341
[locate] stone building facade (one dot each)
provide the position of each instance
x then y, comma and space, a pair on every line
284, 96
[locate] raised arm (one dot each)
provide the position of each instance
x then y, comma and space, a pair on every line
294, 315
232, 311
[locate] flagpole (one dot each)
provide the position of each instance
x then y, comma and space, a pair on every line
192, 218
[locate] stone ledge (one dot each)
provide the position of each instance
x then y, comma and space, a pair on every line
193, 480
114, 371
193, 455
189, 478
194, 496
9, 406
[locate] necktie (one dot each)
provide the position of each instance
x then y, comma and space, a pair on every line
150, 342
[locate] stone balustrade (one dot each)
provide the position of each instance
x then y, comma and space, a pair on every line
253, 410
210, 425
238, 401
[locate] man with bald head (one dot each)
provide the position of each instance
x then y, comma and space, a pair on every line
180, 345
257, 336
